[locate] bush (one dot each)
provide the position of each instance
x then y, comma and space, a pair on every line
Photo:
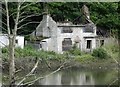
75, 51
85, 57
100, 53
28, 47
27, 51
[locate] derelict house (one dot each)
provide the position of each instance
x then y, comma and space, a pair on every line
63, 36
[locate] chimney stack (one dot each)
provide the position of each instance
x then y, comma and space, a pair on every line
85, 11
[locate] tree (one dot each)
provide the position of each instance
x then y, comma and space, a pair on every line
12, 33
103, 14
19, 16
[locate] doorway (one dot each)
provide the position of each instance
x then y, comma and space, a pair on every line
66, 44
89, 45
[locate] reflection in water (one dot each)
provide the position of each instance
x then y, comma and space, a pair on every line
68, 78
54, 79
75, 77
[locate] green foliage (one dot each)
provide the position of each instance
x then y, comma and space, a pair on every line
28, 51
27, 37
104, 14
99, 53
4, 50
112, 48
85, 57
115, 48
75, 51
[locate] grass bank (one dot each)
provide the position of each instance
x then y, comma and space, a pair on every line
100, 58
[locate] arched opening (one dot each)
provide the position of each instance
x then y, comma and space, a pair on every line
66, 44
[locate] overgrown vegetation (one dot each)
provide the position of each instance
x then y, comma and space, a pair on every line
4, 50
85, 57
100, 53
29, 51
102, 14
74, 53
113, 51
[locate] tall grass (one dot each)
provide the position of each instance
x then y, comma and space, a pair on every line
112, 50
100, 53
29, 51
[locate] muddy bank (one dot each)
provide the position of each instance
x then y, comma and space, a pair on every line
26, 64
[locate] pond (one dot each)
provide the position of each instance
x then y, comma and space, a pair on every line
76, 77
80, 77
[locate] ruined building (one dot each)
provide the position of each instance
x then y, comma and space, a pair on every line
63, 36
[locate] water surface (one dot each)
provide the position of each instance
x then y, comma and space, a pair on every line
80, 77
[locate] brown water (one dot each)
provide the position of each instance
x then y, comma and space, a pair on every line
80, 77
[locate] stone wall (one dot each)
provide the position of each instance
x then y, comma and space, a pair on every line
107, 41
56, 35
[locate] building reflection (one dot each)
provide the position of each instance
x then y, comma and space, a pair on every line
69, 78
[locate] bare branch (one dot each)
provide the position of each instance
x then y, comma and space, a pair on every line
112, 82
32, 82
3, 22
110, 53
27, 5
7, 11
3, 28
115, 60
22, 13
29, 17
27, 24
4, 18
3, 10
22, 2
18, 71
16, 21
29, 74
13, 13
3, 43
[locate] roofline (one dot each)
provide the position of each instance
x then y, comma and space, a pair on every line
71, 25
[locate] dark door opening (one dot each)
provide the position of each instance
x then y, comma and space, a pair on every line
88, 44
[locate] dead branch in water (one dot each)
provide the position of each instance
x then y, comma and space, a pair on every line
33, 81
113, 82
29, 74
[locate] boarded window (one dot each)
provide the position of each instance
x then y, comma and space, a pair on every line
88, 44
101, 42
66, 44
66, 30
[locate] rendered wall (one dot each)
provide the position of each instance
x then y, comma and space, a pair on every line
5, 42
